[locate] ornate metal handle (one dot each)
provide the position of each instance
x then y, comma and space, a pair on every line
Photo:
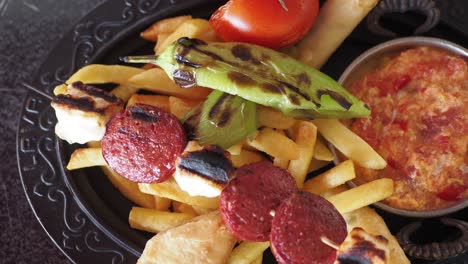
426, 7
435, 250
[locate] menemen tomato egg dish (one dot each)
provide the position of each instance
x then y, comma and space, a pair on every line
419, 125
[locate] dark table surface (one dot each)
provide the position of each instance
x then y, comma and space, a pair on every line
29, 29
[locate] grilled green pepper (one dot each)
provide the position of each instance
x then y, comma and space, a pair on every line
259, 75
222, 120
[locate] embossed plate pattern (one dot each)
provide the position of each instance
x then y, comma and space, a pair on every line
81, 211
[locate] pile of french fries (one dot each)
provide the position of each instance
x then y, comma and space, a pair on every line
296, 145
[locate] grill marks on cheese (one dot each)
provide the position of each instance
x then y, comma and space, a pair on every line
83, 112
203, 171
361, 247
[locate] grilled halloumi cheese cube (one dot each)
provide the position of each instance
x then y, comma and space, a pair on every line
83, 112
203, 171
362, 247
204, 240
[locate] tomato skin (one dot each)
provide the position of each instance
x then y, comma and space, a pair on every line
265, 22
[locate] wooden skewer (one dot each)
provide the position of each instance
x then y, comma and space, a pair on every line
329, 243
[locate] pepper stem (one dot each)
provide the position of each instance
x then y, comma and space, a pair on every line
283, 5
139, 59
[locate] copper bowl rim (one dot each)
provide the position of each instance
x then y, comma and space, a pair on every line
393, 46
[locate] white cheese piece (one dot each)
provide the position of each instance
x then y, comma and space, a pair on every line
83, 112
197, 183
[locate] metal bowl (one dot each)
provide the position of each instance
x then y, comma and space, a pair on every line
368, 61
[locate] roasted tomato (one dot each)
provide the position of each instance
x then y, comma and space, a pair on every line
265, 22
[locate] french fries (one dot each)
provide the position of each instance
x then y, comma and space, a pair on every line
170, 189
350, 144
336, 20
321, 151
156, 80
330, 179
162, 204
275, 144
179, 106
192, 28
362, 195
247, 252
154, 221
305, 136
129, 189
86, 157
272, 118
246, 157
160, 101
163, 26
98, 73
124, 92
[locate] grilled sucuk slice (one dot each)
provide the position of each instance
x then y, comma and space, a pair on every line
203, 171
250, 198
361, 247
297, 228
142, 143
83, 112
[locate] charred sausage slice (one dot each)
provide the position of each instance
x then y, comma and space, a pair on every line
142, 143
247, 202
297, 226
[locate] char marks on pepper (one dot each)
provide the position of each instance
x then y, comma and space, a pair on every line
240, 78
335, 96
221, 111
244, 53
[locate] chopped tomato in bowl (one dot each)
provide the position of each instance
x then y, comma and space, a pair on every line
417, 89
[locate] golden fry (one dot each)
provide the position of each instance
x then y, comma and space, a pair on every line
350, 144
155, 221
156, 80
170, 189
282, 163
193, 28
167, 25
160, 101
246, 157
129, 189
161, 39
305, 136
181, 106
275, 144
236, 149
247, 252
162, 204
336, 20
86, 157
330, 179
124, 92
98, 73
362, 195
321, 151
270, 117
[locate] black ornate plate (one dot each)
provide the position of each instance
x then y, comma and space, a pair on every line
81, 211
